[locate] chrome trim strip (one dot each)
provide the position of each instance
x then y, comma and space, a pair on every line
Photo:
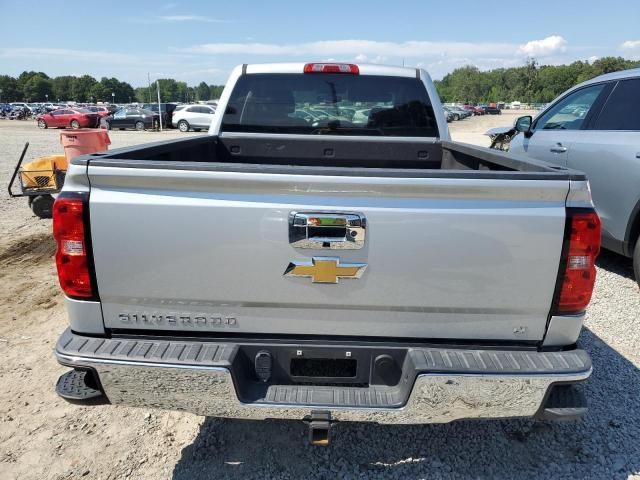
209, 391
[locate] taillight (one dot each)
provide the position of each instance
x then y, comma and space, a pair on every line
578, 272
331, 68
73, 257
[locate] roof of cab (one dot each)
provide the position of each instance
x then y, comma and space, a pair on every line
365, 69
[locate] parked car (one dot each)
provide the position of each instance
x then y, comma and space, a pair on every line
473, 109
102, 111
137, 118
378, 272
457, 113
68, 118
489, 110
196, 117
166, 109
594, 127
448, 115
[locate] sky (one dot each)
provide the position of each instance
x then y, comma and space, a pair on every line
196, 41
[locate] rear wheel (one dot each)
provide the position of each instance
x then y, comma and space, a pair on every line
75, 124
42, 206
636, 261
42, 124
139, 125
183, 126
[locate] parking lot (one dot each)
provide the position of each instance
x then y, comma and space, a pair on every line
41, 436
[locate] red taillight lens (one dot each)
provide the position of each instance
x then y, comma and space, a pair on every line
72, 256
331, 68
579, 275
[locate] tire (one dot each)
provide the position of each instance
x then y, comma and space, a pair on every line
75, 124
183, 126
456, 117
42, 124
42, 206
636, 261
139, 126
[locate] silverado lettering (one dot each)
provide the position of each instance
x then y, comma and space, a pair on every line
173, 320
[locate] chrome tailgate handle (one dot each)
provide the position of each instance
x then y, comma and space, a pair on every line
327, 230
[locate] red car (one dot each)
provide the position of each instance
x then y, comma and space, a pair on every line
69, 118
100, 110
474, 110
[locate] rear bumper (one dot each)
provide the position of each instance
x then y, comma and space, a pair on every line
437, 385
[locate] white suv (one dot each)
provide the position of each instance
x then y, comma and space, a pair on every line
197, 117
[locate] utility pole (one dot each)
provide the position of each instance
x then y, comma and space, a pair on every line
149, 89
159, 107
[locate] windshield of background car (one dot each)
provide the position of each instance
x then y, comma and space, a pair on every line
330, 104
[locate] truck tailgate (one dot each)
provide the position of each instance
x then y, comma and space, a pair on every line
446, 258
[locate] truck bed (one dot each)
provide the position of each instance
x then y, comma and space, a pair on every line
381, 156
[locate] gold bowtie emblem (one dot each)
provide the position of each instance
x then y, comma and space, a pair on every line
325, 269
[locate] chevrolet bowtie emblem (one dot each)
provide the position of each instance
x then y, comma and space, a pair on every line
325, 269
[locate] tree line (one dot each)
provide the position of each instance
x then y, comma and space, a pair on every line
530, 83
39, 87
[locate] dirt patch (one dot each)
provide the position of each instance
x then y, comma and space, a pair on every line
27, 252
27, 272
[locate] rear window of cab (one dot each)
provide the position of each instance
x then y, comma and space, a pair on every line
330, 104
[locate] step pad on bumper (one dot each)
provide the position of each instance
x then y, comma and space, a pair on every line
74, 387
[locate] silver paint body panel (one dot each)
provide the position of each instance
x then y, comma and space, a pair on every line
84, 316
448, 258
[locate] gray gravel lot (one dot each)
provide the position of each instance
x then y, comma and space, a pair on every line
43, 437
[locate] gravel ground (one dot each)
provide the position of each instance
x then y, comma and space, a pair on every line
44, 437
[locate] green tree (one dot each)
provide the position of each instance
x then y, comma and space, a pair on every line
142, 94
37, 88
62, 87
215, 91
203, 92
9, 87
81, 88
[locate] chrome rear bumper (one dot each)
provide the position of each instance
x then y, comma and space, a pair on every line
191, 376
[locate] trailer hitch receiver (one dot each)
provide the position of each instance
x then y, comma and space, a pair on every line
319, 428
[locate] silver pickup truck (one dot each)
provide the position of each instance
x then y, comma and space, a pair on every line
326, 254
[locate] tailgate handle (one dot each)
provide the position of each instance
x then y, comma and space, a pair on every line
320, 230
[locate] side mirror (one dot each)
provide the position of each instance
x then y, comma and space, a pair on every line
523, 124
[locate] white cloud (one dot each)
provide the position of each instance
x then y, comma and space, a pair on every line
353, 48
543, 48
631, 49
66, 53
188, 18
631, 44
438, 57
